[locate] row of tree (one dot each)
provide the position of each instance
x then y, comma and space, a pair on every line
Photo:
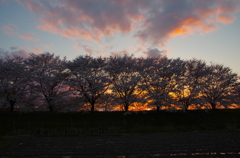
46, 80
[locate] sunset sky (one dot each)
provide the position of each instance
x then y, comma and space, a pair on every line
202, 29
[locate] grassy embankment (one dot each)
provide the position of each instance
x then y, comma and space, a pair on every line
15, 124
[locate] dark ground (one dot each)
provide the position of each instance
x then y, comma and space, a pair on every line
210, 144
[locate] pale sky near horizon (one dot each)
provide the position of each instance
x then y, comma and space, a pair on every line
201, 29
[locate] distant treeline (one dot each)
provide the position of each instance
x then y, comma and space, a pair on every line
45, 81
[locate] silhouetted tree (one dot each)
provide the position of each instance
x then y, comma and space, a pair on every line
219, 85
13, 83
47, 74
127, 82
88, 78
160, 78
192, 83
113, 81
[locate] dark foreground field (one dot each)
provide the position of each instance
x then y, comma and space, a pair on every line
120, 135
208, 144
112, 123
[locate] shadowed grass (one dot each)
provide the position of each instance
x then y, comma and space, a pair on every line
135, 122
5, 141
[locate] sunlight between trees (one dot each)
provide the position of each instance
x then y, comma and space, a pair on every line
47, 82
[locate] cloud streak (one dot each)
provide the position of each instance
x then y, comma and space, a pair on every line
36, 49
27, 37
87, 48
154, 22
10, 29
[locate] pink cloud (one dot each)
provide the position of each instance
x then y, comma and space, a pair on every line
10, 29
72, 33
76, 48
3, 2
47, 46
88, 49
89, 20
27, 37
139, 48
108, 47
186, 17
225, 19
36, 49
154, 22
89, 52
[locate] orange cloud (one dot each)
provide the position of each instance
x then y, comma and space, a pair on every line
178, 31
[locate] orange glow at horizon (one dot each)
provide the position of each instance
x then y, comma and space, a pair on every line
150, 107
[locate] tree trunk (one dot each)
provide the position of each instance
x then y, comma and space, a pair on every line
92, 107
186, 107
158, 105
50, 108
126, 107
213, 106
12, 105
